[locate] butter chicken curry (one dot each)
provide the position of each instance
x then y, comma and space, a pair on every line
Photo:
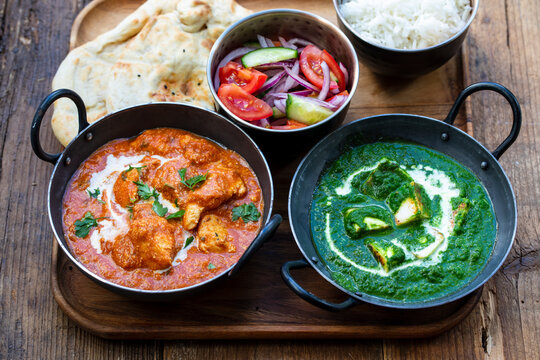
164, 210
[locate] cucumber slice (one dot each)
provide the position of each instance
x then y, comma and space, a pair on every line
306, 112
267, 56
252, 44
276, 114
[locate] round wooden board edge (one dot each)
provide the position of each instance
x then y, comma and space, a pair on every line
250, 331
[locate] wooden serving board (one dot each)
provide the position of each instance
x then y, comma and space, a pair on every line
256, 303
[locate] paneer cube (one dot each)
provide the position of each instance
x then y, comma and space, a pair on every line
384, 179
459, 214
360, 221
409, 203
387, 254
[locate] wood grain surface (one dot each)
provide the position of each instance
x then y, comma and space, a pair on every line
34, 34
247, 310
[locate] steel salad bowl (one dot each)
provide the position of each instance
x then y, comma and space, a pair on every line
438, 135
130, 122
289, 24
404, 63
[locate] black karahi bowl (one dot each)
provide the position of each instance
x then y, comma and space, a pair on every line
130, 122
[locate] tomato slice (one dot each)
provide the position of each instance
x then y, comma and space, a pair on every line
290, 125
243, 104
248, 79
334, 68
310, 64
346, 93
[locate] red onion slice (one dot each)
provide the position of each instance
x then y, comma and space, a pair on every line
338, 100
229, 57
306, 92
301, 81
300, 41
269, 42
262, 41
285, 43
345, 72
276, 65
264, 123
290, 83
326, 81
271, 82
280, 105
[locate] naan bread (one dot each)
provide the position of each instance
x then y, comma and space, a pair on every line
158, 53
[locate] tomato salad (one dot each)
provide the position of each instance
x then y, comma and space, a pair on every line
282, 84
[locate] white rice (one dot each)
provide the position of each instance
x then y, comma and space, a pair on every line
406, 24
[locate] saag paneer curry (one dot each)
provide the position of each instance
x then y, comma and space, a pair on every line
164, 210
401, 222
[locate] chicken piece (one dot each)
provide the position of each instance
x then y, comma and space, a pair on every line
124, 254
221, 184
124, 190
158, 145
213, 236
167, 182
200, 151
152, 241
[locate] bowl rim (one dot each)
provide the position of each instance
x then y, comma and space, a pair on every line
406, 51
81, 135
353, 81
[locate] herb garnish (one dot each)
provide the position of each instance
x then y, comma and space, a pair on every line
248, 212
84, 225
176, 215
192, 182
211, 266
158, 208
130, 210
145, 191
138, 168
94, 194
189, 240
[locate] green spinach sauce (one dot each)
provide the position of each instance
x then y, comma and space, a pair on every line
401, 222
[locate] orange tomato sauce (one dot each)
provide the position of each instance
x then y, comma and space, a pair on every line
132, 245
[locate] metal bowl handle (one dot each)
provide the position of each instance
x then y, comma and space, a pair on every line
266, 233
40, 113
498, 88
306, 295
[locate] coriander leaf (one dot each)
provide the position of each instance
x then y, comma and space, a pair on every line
145, 191
94, 194
176, 215
248, 212
138, 168
192, 182
159, 209
182, 173
189, 240
211, 266
84, 225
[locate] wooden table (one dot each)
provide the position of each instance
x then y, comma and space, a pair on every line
503, 46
